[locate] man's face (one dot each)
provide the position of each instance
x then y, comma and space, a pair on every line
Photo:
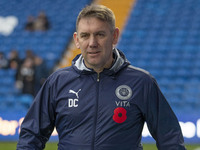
95, 39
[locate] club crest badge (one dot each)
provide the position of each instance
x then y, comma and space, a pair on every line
123, 92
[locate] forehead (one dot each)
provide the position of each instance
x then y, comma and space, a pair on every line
90, 24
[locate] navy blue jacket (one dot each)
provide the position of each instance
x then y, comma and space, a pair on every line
100, 112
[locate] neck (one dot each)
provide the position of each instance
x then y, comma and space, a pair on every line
98, 69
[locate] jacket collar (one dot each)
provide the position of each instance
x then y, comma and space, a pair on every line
120, 62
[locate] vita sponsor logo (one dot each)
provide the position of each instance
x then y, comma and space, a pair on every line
73, 102
124, 93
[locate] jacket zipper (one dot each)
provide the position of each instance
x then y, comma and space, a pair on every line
98, 77
96, 113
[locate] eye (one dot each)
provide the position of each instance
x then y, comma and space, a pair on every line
85, 35
100, 34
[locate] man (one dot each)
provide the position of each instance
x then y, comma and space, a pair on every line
101, 102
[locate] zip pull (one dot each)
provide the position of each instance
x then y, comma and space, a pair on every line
98, 75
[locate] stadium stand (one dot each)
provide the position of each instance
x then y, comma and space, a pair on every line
163, 38
49, 44
159, 36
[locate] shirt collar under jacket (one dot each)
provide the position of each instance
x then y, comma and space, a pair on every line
120, 62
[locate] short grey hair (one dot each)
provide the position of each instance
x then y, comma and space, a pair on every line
100, 12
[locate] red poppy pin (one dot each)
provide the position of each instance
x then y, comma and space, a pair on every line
119, 115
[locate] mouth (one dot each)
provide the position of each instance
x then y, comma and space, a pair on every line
94, 53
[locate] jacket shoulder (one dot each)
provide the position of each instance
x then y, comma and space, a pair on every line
140, 71
141, 74
62, 74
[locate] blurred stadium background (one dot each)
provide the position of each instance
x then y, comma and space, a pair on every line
161, 36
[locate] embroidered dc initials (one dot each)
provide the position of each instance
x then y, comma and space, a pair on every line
73, 102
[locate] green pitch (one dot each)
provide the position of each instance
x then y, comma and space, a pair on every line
53, 146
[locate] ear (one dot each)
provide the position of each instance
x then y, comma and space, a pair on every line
76, 40
115, 36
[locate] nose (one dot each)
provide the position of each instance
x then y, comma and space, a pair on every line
93, 42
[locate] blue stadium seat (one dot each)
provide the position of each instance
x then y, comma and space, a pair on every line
25, 100
154, 39
50, 45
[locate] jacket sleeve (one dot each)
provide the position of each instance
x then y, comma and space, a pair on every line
39, 122
161, 120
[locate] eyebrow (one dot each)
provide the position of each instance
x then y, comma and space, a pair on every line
100, 32
85, 33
